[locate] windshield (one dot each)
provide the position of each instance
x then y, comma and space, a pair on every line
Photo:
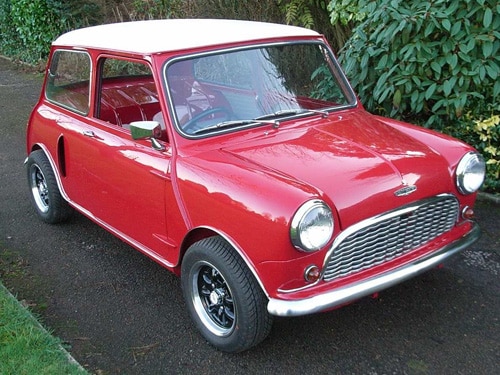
228, 90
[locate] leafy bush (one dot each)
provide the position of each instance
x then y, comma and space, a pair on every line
9, 39
36, 26
314, 14
485, 135
426, 60
28, 27
345, 12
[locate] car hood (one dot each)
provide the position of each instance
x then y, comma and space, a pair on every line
353, 161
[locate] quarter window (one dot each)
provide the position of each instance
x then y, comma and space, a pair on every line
68, 80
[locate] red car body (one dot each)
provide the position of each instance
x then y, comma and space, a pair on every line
246, 185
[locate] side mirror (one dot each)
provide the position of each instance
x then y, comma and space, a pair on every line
147, 130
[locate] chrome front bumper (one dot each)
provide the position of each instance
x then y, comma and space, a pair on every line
353, 292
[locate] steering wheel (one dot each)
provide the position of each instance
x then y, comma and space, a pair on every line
190, 126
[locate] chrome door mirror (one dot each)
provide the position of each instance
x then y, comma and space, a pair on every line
147, 130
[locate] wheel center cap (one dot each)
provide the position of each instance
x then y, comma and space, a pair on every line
215, 297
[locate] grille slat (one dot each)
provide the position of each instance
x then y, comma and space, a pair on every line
389, 236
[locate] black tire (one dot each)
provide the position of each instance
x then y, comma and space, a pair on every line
223, 297
44, 192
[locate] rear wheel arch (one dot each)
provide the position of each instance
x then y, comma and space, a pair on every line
53, 163
44, 188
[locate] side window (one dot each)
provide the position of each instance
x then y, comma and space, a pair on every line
68, 80
127, 92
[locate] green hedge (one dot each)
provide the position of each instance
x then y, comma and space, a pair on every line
28, 27
9, 41
36, 25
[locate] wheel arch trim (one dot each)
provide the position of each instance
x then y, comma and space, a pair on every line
53, 165
216, 232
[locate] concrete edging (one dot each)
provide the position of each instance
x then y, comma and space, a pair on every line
41, 327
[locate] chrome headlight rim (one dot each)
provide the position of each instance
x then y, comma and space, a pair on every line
302, 220
470, 173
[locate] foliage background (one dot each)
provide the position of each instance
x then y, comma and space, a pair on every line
435, 63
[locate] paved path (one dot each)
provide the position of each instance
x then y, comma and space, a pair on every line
120, 313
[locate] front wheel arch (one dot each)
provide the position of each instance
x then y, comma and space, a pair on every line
199, 233
223, 297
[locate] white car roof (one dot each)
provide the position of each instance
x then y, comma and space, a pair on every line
145, 37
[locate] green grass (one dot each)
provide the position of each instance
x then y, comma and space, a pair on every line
27, 348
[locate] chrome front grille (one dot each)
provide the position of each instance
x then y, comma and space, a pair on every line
385, 237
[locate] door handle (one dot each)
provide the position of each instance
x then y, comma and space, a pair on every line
89, 133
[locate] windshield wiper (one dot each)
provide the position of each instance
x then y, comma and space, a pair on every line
265, 119
291, 112
236, 123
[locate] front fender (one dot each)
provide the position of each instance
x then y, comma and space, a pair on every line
248, 206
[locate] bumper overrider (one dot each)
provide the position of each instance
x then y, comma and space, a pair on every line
355, 291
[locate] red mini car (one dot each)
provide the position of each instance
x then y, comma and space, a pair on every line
236, 154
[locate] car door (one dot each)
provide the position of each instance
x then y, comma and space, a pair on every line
121, 183
118, 181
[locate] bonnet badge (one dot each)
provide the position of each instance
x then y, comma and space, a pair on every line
407, 190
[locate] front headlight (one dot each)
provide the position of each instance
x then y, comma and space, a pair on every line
470, 173
312, 226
